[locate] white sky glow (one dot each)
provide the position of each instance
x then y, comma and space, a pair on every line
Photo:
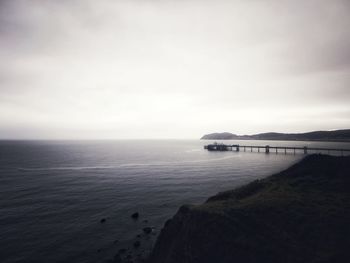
87, 69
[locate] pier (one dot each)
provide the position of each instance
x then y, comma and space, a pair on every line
274, 149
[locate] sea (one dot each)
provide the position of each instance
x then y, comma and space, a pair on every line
72, 201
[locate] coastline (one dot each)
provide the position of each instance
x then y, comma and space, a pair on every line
298, 215
314, 136
278, 139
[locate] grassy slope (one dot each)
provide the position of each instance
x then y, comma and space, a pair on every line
299, 215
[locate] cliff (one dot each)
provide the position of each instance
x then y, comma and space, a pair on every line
299, 215
337, 135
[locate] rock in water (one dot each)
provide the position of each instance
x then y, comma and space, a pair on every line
135, 215
137, 244
147, 230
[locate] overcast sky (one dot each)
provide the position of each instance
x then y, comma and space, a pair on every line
172, 69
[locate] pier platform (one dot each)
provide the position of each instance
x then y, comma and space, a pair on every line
276, 149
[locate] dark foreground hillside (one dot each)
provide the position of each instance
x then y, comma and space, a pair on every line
299, 215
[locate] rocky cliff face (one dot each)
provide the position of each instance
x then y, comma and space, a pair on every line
299, 215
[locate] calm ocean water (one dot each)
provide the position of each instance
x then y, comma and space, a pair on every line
53, 194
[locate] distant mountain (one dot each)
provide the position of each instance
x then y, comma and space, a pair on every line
336, 135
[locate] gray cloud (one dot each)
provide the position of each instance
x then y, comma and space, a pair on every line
120, 69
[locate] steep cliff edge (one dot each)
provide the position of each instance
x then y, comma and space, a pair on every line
299, 215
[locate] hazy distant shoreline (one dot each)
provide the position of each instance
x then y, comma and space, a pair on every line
322, 136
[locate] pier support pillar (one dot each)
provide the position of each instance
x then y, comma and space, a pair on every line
285, 150
305, 150
237, 148
267, 149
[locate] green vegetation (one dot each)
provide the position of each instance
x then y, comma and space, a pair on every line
299, 215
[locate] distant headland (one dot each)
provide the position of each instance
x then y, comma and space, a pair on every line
335, 135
